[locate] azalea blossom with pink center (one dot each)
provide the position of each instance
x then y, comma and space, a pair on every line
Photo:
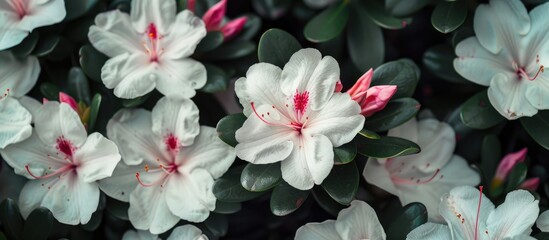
213, 18
63, 163
19, 17
150, 48
169, 164
295, 117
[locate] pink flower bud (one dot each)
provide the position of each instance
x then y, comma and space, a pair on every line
190, 5
530, 184
233, 27
213, 17
65, 98
376, 98
339, 86
362, 84
508, 163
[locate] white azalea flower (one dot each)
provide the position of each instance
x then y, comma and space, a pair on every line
18, 75
295, 117
15, 121
19, 17
359, 221
150, 48
426, 176
470, 217
543, 221
65, 163
169, 164
508, 55
185, 232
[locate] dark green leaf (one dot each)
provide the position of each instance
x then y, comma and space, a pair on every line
251, 28
516, 177
260, 177
386, 147
365, 41
369, 134
439, 60
77, 31
94, 222
92, 61
131, 103
12, 221
404, 8
478, 113
38, 225
49, 90
2, 236
230, 50
462, 34
26, 47
78, 85
490, 156
227, 126
118, 209
78, 8
394, 114
285, 199
538, 127
218, 224
276, 47
229, 189
271, 9
212, 40
448, 16
382, 17
403, 73
345, 153
542, 236
46, 45
217, 79
414, 215
326, 202
342, 183
227, 207
94, 111
329, 24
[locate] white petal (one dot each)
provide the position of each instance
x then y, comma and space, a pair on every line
537, 92
306, 71
10, 35
536, 41
437, 141
139, 235
318, 231
309, 163
19, 75
123, 181
409, 130
180, 77
260, 86
376, 174
14, 122
359, 221
32, 105
340, 120
113, 34
131, 131
508, 96
43, 13
32, 194
187, 31
515, 216
71, 200
459, 208
97, 158
186, 232
55, 120
149, 211
260, 143
194, 189
131, 76
430, 231
543, 221
477, 64
178, 117
158, 12
207, 152
500, 24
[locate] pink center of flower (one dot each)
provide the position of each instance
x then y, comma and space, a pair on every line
522, 73
19, 6
65, 147
152, 44
300, 102
172, 143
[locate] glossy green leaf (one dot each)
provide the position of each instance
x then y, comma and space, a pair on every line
132, 103
217, 79
538, 127
78, 85
26, 47
49, 90
227, 207
413, 216
439, 60
386, 147
478, 113
12, 221
77, 31
364, 41
94, 111
46, 45
285, 199
345, 153
229, 189
276, 47
329, 24
78, 8
227, 126
251, 28
38, 225
230, 50
260, 177
376, 10
272, 9
342, 183
369, 134
516, 177
212, 40
218, 224
490, 156
403, 73
404, 8
92, 61
448, 16
118, 209
396, 113
94, 222
326, 202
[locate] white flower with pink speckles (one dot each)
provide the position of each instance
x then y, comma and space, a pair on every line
169, 164
150, 49
63, 163
295, 117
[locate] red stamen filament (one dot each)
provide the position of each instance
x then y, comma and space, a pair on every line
478, 212
167, 172
540, 70
296, 126
153, 37
416, 182
58, 171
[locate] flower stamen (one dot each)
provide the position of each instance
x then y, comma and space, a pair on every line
63, 169
167, 171
416, 181
294, 125
478, 212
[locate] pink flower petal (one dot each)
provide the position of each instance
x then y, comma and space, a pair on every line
233, 28
376, 99
530, 184
508, 163
362, 84
213, 17
65, 98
